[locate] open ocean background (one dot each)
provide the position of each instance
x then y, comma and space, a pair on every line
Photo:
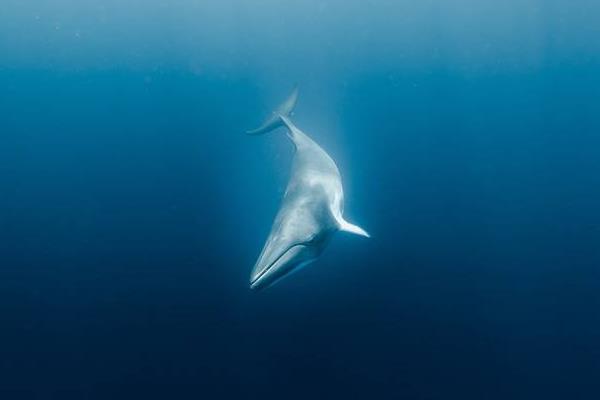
133, 207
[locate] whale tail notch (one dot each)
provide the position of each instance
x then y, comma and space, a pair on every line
285, 109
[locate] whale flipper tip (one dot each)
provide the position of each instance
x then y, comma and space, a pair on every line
346, 226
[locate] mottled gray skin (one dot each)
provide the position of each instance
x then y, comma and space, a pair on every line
311, 209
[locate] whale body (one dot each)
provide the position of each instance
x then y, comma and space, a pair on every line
311, 210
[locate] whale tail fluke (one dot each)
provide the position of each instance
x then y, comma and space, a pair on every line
285, 109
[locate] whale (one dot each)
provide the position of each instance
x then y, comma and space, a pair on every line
311, 210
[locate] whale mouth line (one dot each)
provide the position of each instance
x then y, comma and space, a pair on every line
264, 272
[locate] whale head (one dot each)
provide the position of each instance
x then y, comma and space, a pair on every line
295, 244
282, 257
301, 231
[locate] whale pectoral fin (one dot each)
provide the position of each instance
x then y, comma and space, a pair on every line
346, 226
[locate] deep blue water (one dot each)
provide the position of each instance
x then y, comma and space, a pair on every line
132, 205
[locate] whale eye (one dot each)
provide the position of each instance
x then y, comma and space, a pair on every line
312, 239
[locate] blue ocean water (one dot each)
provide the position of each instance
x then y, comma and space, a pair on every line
132, 205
